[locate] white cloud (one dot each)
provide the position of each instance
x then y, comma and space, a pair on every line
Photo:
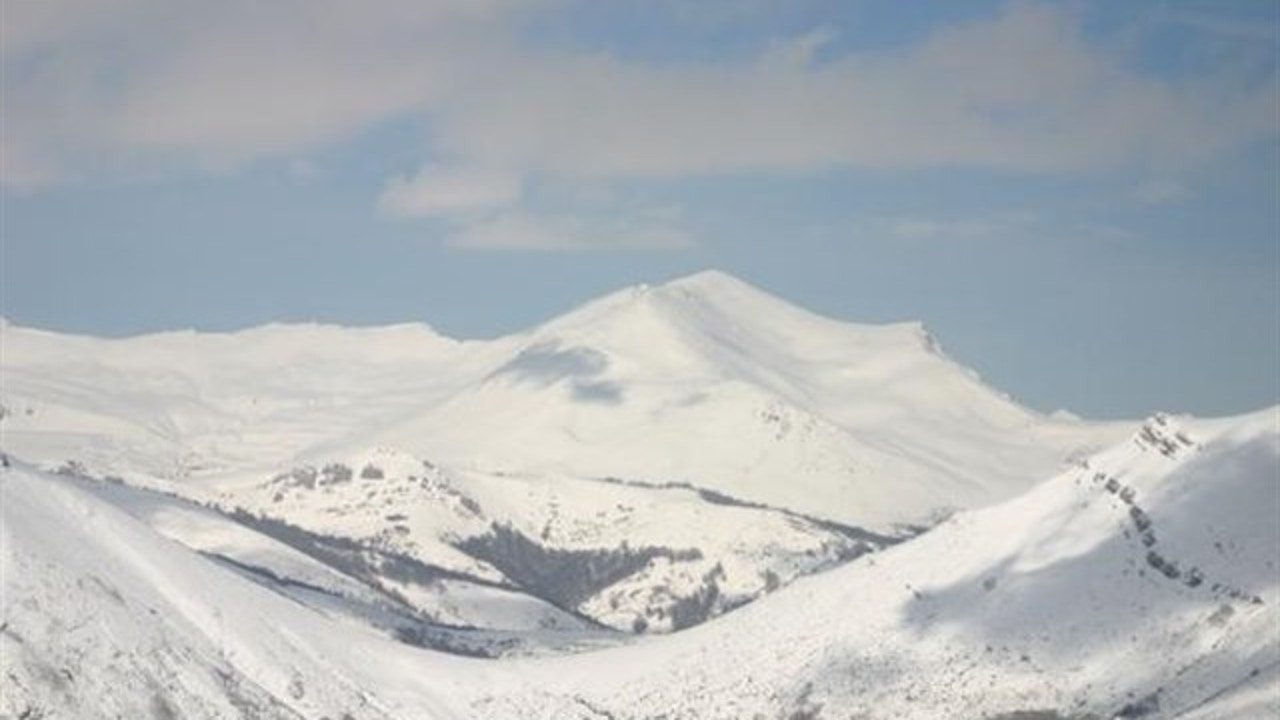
23, 172
1160, 192
802, 50
303, 170
217, 84
999, 226
1109, 233
1216, 24
991, 225
575, 232
1023, 92
149, 87
445, 190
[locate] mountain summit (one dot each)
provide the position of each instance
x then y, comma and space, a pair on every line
709, 381
306, 521
705, 380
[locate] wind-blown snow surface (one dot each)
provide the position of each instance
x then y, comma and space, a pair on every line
1142, 582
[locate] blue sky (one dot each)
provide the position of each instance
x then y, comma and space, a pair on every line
1079, 199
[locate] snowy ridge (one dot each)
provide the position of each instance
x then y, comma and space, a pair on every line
704, 380
1046, 604
629, 556
104, 618
1028, 606
691, 500
750, 442
711, 381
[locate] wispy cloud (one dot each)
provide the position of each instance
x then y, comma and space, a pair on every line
980, 227
1107, 233
1216, 24
230, 82
97, 89
525, 231
996, 226
442, 191
156, 86
1021, 92
1160, 191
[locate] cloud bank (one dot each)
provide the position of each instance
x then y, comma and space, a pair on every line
146, 88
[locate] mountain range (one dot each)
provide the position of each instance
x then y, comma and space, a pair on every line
687, 500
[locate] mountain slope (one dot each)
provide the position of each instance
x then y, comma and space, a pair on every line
654, 458
705, 380
1142, 583
710, 381
103, 618
185, 405
634, 557
1052, 603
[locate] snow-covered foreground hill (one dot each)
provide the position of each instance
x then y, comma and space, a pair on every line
1141, 583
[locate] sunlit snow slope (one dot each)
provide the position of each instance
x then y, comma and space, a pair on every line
1143, 583
705, 381
286, 521
1140, 583
104, 618
710, 381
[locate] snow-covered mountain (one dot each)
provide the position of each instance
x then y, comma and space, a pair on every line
710, 381
705, 381
651, 459
1140, 583
314, 521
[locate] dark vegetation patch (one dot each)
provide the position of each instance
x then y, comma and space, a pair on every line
335, 473
563, 577
701, 605
803, 707
1145, 707
871, 540
261, 573
1040, 715
371, 566
353, 557
162, 709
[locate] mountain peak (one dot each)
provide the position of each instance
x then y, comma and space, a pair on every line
709, 280
715, 306
710, 284
707, 302
719, 287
